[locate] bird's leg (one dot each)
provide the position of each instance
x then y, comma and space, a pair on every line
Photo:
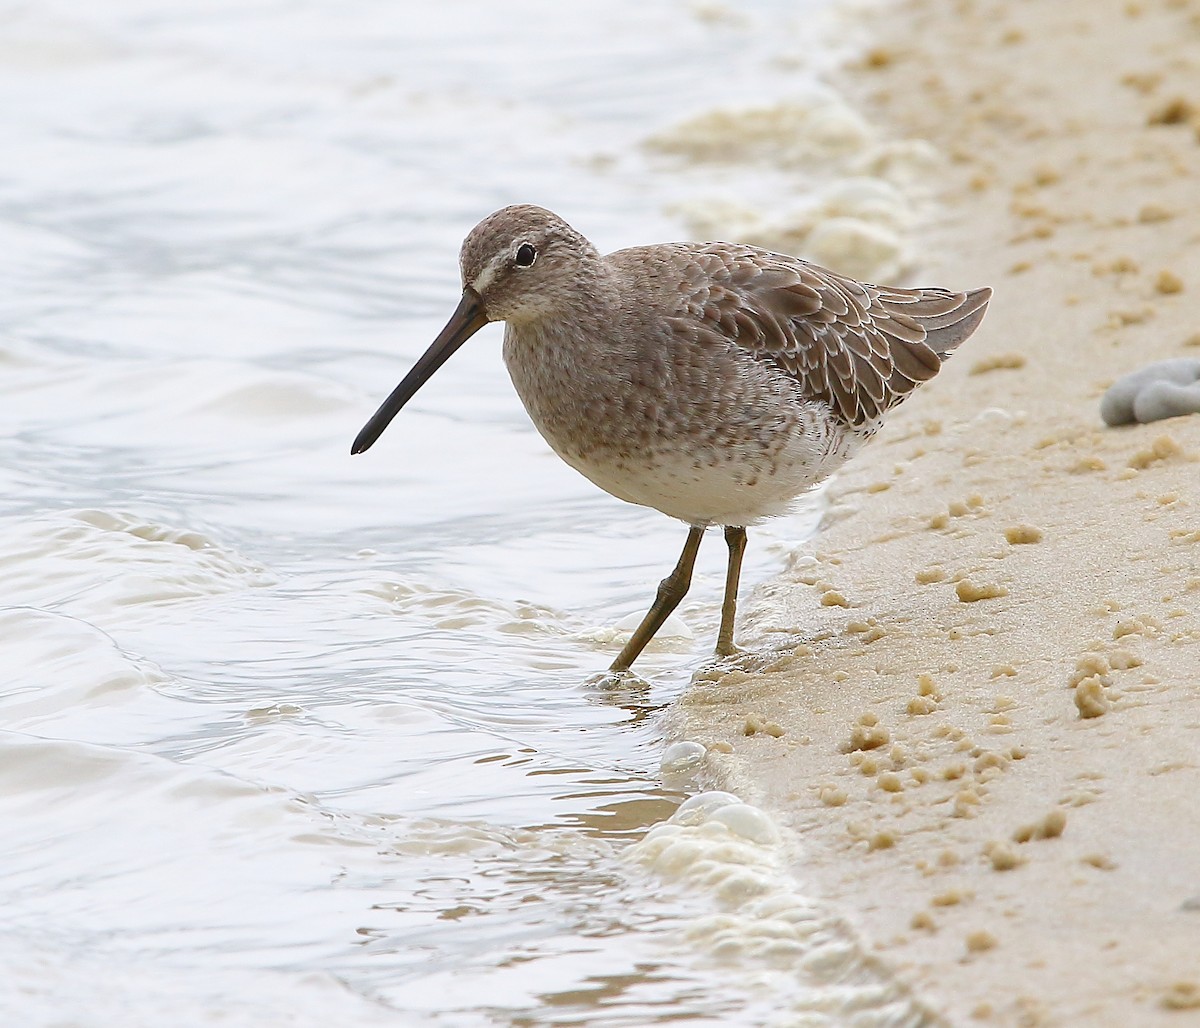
671, 590
736, 538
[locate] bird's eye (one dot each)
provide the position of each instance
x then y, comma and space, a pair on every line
526, 255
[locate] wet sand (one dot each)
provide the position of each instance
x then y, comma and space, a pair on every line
987, 742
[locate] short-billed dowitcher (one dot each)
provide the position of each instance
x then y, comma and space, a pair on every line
714, 382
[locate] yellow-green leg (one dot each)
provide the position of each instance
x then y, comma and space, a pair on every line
671, 590
736, 538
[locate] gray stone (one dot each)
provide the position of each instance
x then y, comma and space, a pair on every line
1164, 389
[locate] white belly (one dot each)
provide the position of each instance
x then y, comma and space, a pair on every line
727, 488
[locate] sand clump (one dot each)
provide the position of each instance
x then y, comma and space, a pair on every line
1009, 756
972, 592
1022, 535
1049, 827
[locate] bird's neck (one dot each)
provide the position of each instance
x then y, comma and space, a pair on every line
570, 370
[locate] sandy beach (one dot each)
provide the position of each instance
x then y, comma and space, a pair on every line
975, 696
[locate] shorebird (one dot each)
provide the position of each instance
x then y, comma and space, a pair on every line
714, 382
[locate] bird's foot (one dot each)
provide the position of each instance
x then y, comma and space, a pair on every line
626, 690
617, 679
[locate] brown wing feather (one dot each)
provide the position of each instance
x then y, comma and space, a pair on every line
859, 347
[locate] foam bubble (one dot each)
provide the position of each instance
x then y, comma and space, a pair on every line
682, 758
748, 822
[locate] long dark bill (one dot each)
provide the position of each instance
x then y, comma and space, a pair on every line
467, 319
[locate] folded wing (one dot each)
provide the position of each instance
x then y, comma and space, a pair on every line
861, 348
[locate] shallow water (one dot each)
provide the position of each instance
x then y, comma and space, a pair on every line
285, 736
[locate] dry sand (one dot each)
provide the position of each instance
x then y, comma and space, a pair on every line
988, 741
